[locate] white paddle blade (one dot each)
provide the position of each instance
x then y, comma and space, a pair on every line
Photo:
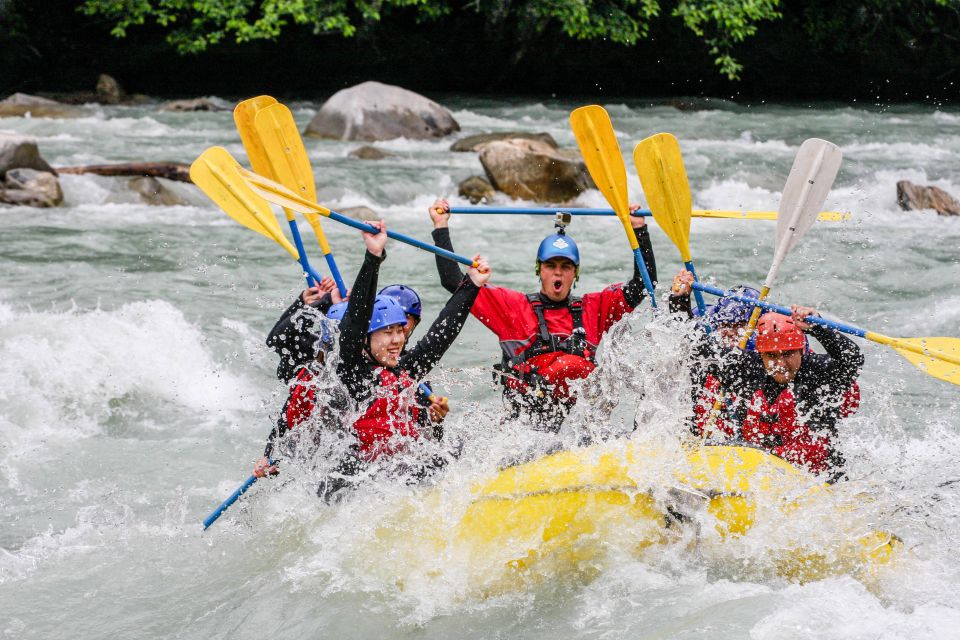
811, 177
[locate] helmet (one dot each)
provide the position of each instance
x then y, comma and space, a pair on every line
558, 245
777, 332
337, 311
386, 313
730, 311
406, 296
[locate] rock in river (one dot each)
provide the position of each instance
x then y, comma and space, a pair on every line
17, 151
22, 104
31, 188
912, 196
533, 170
474, 142
376, 111
477, 189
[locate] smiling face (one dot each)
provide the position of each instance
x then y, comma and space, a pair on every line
387, 343
557, 276
782, 366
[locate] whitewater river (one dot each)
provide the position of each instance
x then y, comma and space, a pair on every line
136, 391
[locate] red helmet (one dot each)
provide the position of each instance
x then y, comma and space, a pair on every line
777, 332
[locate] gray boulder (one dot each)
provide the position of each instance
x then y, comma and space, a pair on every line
22, 104
375, 111
196, 104
473, 143
17, 151
364, 214
368, 152
533, 170
152, 191
912, 196
109, 90
477, 189
32, 188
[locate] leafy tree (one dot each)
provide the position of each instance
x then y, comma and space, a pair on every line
195, 25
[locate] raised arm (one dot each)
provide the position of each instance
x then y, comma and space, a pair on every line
633, 291
430, 349
450, 274
846, 359
353, 328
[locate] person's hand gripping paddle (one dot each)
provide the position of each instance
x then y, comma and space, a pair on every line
598, 143
811, 177
664, 179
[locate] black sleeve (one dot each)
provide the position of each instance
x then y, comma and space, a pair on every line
323, 304
738, 371
427, 353
846, 359
633, 291
353, 328
680, 304
278, 334
450, 274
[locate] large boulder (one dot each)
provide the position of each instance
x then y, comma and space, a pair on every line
912, 196
152, 191
17, 151
109, 90
196, 104
22, 104
31, 188
368, 152
364, 214
375, 111
474, 142
533, 170
477, 189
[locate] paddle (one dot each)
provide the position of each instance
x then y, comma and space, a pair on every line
242, 489
598, 143
217, 175
278, 194
938, 357
826, 216
289, 165
664, 180
243, 116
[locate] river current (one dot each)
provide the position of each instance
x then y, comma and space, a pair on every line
136, 390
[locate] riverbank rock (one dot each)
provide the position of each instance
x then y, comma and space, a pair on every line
17, 151
368, 152
31, 188
109, 90
473, 143
477, 189
196, 104
152, 191
533, 170
912, 196
23, 104
364, 214
376, 111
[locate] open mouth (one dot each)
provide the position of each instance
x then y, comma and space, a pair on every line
557, 285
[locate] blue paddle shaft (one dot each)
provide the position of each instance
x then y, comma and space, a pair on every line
297, 240
449, 255
335, 272
647, 282
830, 324
242, 489
696, 292
545, 211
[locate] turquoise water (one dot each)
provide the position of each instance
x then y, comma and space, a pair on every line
135, 389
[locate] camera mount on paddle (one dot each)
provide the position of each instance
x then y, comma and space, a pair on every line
561, 221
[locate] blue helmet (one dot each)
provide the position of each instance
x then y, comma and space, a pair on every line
386, 313
558, 245
730, 311
337, 311
407, 298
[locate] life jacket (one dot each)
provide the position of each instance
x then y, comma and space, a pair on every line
549, 362
302, 400
703, 406
388, 415
774, 427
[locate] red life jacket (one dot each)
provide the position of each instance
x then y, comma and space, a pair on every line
548, 358
302, 400
703, 405
775, 428
391, 413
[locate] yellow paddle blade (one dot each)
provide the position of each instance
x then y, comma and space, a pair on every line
218, 176
276, 193
243, 116
825, 216
601, 153
938, 357
289, 164
664, 180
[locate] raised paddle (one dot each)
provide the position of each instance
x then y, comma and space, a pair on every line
243, 116
598, 143
242, 489
217, 175
826, 216
938, 357
290, 166
280, 195
664, 180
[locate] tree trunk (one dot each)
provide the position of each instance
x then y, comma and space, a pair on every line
168, 170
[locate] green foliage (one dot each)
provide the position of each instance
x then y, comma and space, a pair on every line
195, 25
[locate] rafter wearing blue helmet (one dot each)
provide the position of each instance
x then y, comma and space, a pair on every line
409, 301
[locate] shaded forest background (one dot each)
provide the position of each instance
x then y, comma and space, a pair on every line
877, 50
